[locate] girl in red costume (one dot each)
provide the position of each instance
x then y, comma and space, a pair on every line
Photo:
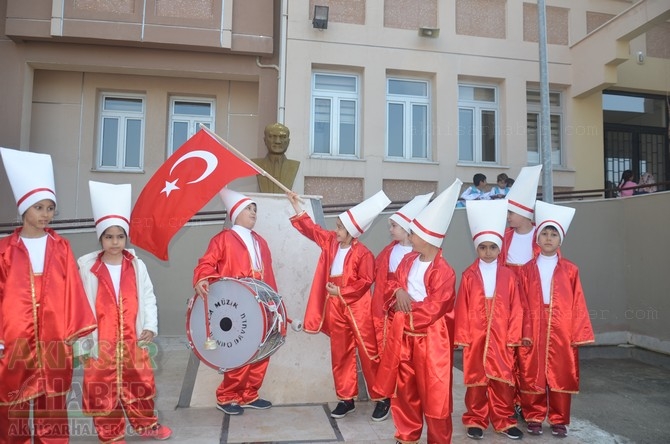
118, 376
557, 322
489, 317
237, 252
418, 356
43, 309
339, 300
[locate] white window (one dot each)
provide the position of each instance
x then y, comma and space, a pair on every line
533, 124
407, 119
186, 115
477, 124
121, 140
334, 114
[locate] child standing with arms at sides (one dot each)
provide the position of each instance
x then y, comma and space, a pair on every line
43, 309
501, 189
339, 300
417, 364
118, 377
477, 191
237, 252
489, 319
559, 323
388, 259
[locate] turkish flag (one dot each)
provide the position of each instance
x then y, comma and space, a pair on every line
180, 188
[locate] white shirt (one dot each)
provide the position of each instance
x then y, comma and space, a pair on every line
252, 247
115, 274
521, 248
489, 272
37, 248
337, 267
415, 284
397, 253
546, 266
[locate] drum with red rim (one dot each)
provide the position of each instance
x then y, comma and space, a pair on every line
247, 320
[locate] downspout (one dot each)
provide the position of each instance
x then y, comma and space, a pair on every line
281, 69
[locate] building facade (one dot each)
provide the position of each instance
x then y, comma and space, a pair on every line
404, 95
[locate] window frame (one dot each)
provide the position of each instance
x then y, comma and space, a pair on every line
122, 117
534, 108
409, 102
192, 120
478, 108
335, 98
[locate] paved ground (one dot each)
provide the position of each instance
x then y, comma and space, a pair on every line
625, 398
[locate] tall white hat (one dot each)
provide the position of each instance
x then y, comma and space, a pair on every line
553, 215
522, 195
432, 222
234, 202
357, 219
404, 216
487, 219
31, 176
111, 205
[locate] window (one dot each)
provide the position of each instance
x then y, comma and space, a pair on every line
407, 117
121, 143
477, 124
533, 127
334, 114
186, 115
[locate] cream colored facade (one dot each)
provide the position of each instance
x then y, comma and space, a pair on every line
592, 47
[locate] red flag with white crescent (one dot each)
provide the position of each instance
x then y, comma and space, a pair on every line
180, 188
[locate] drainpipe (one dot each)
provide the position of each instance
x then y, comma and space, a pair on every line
281, 69
545, 121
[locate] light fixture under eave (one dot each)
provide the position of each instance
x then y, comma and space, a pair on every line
320, 20
429, 32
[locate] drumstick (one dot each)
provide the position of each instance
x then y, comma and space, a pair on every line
295, 325
210, 344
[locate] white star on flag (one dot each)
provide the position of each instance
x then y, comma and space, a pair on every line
170, 187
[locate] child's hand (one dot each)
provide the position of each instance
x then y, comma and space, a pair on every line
146, 336
332, 289
202, 288
295, 201
403, 301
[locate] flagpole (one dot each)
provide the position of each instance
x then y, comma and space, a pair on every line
246, 159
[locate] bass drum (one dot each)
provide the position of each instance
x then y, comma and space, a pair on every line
247, 321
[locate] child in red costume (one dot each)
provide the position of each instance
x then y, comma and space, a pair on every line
557, 324
237, 252
416, 368
339, 300
489, 318
43, 309
118, 375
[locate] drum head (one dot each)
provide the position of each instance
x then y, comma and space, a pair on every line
236, 324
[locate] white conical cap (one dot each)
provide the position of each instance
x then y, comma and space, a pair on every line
31, 176
111, 205
404, 215
558, 216
523, 193
234, 202
432, 222
359, 218
487, 220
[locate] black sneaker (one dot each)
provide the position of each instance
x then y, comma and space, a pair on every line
343, 407
230, 409
259, 404
382, 410
513, 433
518, 413
475, 433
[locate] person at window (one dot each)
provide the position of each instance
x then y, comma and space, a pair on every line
277, 138
627, 184
477, 191
501, 188
648, 180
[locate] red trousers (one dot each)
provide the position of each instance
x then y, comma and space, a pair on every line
494, 403
407, 412
554, 405
112, 427
49, 419
241, 385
